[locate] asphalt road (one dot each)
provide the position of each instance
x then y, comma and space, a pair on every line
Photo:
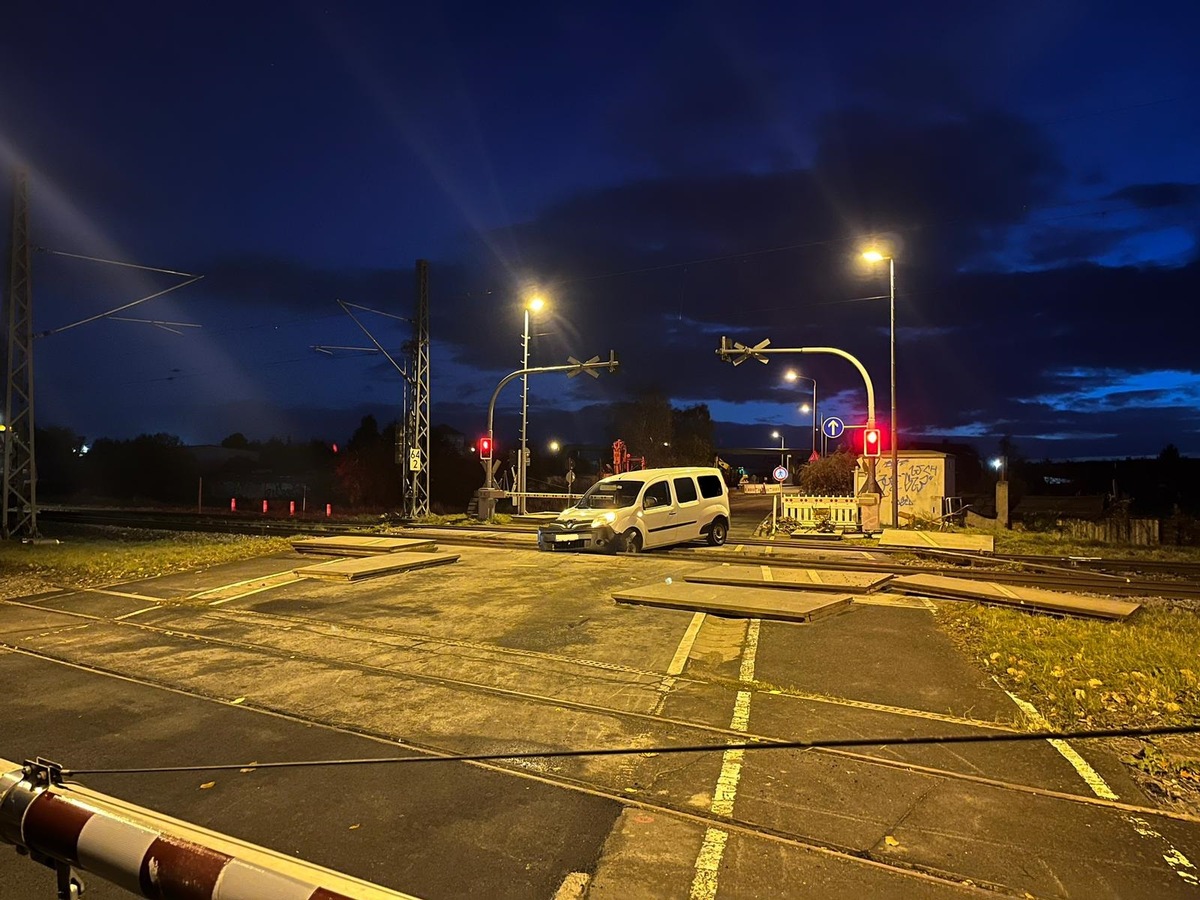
513, 651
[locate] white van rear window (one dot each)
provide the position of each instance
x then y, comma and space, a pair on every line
711, 486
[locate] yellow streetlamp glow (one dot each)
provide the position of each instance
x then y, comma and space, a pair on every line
535, 304
873, 256
554, 446
791, 375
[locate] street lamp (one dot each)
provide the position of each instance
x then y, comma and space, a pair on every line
1000, 464
776, 434
875, 256
533, 304
793, 375
555, 446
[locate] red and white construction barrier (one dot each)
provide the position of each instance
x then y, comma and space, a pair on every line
151, 855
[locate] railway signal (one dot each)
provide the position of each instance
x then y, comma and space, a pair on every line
871, 442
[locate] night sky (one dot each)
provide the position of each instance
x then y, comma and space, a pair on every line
663, 173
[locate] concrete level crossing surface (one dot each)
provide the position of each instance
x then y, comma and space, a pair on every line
526, 653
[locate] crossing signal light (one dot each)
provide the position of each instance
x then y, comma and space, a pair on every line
871, 442
485, 448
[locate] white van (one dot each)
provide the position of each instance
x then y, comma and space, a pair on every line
637, 511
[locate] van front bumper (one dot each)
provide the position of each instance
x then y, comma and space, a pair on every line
560, 537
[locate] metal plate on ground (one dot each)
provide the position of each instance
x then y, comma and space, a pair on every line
938, 540
737, 602
374, 566
359, 545
788, 578
1013, 595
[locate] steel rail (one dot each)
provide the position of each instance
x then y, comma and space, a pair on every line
1111, 585
707, 819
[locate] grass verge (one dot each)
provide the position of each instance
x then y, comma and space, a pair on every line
1082, 673
96, 556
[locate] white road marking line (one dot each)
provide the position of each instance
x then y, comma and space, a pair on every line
746, 673
126, 594
137, 612
265, 587
766, 573
1179, 864
1176, 860
679, 660
1090, 776
708, 861
233, 584
704, 884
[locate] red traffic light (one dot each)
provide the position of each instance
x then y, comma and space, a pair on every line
871, 442
485, 448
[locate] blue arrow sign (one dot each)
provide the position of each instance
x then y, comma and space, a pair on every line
833, 427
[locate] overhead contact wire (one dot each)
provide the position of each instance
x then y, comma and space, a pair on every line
761, 744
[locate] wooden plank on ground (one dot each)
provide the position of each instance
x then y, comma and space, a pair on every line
737, 602
937, 540
1013, 595
374, 566
359, 545
788, 578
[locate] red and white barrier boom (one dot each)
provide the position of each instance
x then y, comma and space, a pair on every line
68, 827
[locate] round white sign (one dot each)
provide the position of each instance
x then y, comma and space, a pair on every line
780, 473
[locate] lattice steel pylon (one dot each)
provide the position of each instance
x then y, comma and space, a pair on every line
416, 404
20, 465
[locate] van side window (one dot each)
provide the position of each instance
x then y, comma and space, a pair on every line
711, 486
658, 494
685, 490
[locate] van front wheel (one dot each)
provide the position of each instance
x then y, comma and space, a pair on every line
718, 532
631, 541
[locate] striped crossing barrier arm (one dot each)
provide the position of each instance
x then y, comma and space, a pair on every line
68, 827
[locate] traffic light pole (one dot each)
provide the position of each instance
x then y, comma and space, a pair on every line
489, 495
871, 493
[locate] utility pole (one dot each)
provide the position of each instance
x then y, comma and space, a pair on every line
20, 465
418, 409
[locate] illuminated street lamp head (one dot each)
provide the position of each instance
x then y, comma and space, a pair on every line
873, 256
791, 375
535, 304
804, 408
997, 463
554, 446
774, 434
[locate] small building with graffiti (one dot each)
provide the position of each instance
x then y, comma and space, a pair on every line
926, 481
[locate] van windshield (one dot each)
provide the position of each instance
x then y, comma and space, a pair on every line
610, 495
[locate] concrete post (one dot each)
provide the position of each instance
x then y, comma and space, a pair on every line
1002, 516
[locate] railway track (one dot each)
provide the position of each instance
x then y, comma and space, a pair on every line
1109, 577
681, 730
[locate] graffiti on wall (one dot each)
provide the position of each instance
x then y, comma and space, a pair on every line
917, 478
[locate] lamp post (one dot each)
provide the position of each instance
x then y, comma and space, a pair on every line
793, 375
534, 304
876, 256
782, 448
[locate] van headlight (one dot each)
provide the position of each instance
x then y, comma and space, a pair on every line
607, 519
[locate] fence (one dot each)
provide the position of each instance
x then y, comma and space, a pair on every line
1142, 532
841, 512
